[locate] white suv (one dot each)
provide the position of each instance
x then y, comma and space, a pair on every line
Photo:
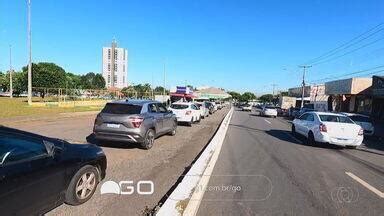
329, 128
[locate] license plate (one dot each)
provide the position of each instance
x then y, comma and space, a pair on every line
113, 125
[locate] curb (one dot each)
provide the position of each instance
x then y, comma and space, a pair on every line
197, 176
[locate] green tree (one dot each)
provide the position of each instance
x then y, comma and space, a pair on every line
92, 81
3, 82
160, 90
46, 75
247, 96
266, 98
235, 95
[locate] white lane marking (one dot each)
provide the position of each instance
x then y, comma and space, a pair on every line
267, 121
365, 184
290, 135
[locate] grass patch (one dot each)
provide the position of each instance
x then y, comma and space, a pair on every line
19, 107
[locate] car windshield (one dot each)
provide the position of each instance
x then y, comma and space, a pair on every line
179, 106
335, 118
358, 118
115, 108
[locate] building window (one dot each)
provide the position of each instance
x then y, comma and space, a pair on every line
115, 55
123, 79
124, 56
109, 53
115, 67
115, 80
109, 67
123, 68
109, 78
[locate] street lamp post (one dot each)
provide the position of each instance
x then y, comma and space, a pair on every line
30, 55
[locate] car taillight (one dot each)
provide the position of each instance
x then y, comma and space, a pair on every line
361, 132
188, 112
323, 128
136, 121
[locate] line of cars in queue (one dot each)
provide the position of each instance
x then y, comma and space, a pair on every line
39, 173
341, 129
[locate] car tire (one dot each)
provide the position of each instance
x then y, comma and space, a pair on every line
311, 139
149, 139
293, 130
78, 182
173, 131
190, 123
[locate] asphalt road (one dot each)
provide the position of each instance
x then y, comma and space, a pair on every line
263, 170
163, 164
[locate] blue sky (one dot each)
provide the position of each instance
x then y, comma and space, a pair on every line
238, 45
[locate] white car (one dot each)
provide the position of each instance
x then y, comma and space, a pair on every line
204, 111
364, 121
247, 108
332, 128
268, 111
186, 112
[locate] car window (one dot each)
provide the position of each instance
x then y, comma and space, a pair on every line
179, 106
335, 118
310, 117
194, 107
15, 147
161, 108
152, 108
115, 108
303, 117
360, 119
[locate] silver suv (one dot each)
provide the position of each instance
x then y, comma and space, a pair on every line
135, 121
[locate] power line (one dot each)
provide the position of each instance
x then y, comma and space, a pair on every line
347, 74
335, 50
351, 51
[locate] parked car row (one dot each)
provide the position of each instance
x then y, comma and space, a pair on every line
39, 173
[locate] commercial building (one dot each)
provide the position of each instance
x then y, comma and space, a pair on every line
314, 97
212, 93
350, 95
378, 98
115, 66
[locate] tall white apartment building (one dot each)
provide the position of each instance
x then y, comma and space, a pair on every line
115, 66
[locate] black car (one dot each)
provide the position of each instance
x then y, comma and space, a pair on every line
38, 173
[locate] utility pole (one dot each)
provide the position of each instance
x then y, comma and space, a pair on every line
273, 89
303, 84
10, 73
164, 82
152, 87
30, 56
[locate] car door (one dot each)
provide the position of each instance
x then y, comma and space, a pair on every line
158, 117
299, 126
31, 181
167, 117
308, 123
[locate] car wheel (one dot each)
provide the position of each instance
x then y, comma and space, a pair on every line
173, 132
293, 130
311, 139
82, 186
190, 123
149, 139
